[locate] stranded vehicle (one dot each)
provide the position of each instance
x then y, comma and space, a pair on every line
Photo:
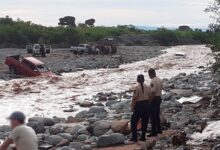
28, 66
81, 49
38, 49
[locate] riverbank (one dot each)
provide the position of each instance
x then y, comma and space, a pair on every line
92, 107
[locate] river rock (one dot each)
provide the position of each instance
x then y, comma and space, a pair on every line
37, 126
82, 137
86, 104
45, 121
82, 114
97, 110
66, 148
55, 130
76, 145
122, 107
54, 139
67, 136
5, 128
183, 92
110, 140
120, 126
101, 127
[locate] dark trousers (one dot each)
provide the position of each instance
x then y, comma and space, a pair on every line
155, 115
141, 111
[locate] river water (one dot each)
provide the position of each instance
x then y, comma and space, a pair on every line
48, 97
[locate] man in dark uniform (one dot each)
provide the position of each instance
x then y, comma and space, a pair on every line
156, 93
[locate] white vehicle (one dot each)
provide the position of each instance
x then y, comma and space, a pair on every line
38, 49
81, 49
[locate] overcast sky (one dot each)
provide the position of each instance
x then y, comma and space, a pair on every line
166, 13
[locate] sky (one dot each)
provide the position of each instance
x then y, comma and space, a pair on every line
168, 13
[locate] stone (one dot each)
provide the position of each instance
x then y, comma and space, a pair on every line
55, 130
110, 103
122, 107
179, 139
71, 119
54, 139
86, 104
5, 128
103, 98
37, 126
45, 121
96, 110
110, 140
121, 126
82, 114
74, 130
112, 98
66, 148
82, 137
86, 147
101, 127
183, 92
67, 136
76, 145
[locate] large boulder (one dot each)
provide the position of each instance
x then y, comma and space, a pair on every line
101, 127
45, 121
122, 107
37, 126
97, 110
121, 126
110, 140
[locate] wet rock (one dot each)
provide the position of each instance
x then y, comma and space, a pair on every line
183, 92
66, 148
113, 97
82, 114
122, 107
5, 128
148, 145
110, 103
121, 126
45, 121
66, 136
101, 127
103, 98
82, 137
76, 145
37, 126
71, 119
74, 130
86, 147
86, 104
54, 139
110, 140
97, 110
179, 139
55, 130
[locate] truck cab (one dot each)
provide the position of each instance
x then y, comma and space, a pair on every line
28, 66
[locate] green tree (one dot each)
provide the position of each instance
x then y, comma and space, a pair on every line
90, 22
214, 10
67, 21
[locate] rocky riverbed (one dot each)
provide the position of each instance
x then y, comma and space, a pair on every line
92, 107
62, 60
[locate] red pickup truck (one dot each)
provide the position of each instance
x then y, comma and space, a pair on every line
28, 66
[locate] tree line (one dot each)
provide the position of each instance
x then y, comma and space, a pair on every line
18, 33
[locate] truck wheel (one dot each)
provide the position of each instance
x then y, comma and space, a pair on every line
12, 70
81, 52
43, 54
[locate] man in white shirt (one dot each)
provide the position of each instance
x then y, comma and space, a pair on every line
156, 93
22, 136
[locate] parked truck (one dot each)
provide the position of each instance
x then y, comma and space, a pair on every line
38, 49
81, 49
28, 66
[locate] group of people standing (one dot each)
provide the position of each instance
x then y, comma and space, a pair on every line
146, 102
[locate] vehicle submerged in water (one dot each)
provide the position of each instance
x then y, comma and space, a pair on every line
28, 66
